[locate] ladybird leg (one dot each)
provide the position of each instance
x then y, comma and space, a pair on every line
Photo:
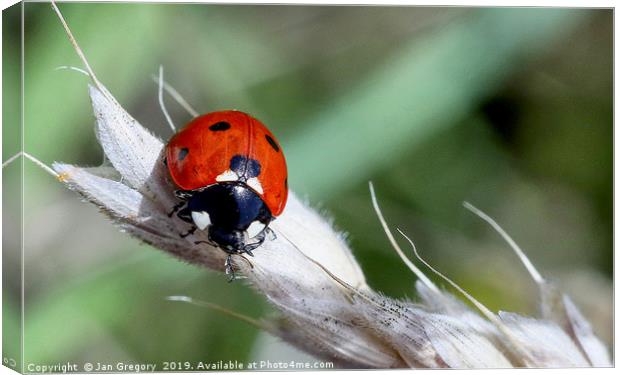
183, 194
249, 247
176, 208
270, 232
209, 243
229, 268
248, 262
186, 215
190, 231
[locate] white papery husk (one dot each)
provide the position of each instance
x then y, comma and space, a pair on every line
310, 275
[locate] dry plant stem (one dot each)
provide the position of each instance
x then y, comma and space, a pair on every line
31, 158
76, 47
76, 69
244, 318
176, 96
485, 311
526, 262
11, 159
160, 97
520, 352
555, 305
310, 275
394, 244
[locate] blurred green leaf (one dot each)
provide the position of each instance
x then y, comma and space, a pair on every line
129, 297
11, 81
117, 40
431, 84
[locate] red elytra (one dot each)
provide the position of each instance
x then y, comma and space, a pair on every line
200, 155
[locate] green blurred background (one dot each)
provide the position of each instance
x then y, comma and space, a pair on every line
510, 109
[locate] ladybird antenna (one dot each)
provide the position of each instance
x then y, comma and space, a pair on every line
176, 96
78, 50
161, 99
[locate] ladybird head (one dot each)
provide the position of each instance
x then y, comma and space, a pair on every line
229, 241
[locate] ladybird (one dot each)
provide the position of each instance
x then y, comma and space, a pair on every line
231, 177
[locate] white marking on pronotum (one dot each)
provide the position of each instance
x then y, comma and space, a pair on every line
255, 228
227, 176
201, 219
524, 259
160, 96
255, 184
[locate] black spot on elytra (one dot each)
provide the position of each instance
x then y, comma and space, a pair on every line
219, 126
165, 161
183, 153
245, 167
286, 183
272, 142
